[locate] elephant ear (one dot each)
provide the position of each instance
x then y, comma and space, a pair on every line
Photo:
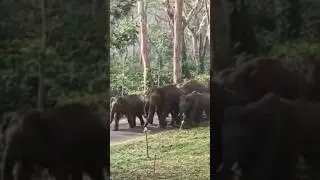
265, 105
121, 100
35, 122
183, 97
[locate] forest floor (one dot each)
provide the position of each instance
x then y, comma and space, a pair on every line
178, 154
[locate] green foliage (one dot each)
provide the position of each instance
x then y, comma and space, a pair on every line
120, 9
296, 49
204, 78
124, 34
74, 66
127, 69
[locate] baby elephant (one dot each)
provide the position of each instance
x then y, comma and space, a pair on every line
131, 106
192, 106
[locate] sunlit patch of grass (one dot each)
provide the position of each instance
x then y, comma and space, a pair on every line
181, 154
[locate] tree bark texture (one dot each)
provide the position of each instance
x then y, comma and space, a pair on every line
144, 49
177, 73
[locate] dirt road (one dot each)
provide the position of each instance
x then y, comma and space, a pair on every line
125, 133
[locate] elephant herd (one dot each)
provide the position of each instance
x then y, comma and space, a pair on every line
184, 101
68, 140
265, 116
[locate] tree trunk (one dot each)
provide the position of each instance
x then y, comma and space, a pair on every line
185, 68
42, 58
103, 22
147, 78
196, 43
221, 33
202, 52
208, 28
177, 73
295, 19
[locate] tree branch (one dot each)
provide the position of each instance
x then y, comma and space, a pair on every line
203, 22
160, 18
194, 10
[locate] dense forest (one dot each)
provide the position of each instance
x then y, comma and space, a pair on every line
52, 52
128, 64
288, 29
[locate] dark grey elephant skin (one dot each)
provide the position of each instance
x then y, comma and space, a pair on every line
146, 110
192, 106
164, 100
69, 139
193, 85
258, 76
266, 137
131, 106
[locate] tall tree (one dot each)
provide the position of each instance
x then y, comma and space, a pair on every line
221, 34
186, 18
40, 102
196, 28
147, 78
102, 9
177, 73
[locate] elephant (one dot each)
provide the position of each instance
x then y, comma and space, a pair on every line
146, 103
221, 99
312, 78
131, 106
68, 139
224, 73
252, 131
193, 104
192, 85
256, 77
164, 100
267, 136
146, 109
12, 143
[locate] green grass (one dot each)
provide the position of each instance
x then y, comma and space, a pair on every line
180, 155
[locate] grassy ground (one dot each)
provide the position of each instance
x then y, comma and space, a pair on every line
180, 155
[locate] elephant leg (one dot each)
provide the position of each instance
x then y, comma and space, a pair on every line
195, 112
175, 118
130, 121
197, 116
76, 175
151, 119
116, 122
96, 173
134, 124
163, 112
186, 119
150, 114
141, 120
61, 175
208, 115
23, 171
9, 163
162, 120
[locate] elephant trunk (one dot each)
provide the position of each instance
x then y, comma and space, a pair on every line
151, 111
9, 160
112, 114
146, 109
